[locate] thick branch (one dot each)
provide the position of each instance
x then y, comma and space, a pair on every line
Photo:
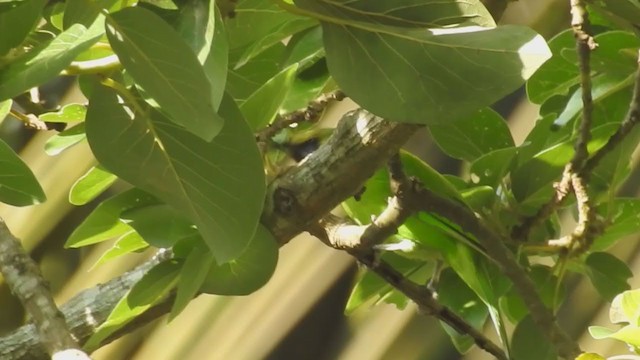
84, 313
26, 282
360, 145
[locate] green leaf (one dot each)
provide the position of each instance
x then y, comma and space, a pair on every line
153, 287
218, 185
93, 183
129, 242
456, 295
629, 334
243, 82
305, 48
247, 273
165, 67
281, 31
263, 105
159, 225
402, 74
547, 286
473, 136
603, 86
17, 19
531, 182
529, 343
623, 13
5, 107
104, 221
85, 12
608, 274
259, 25
47, 61
200, 24
625, 308
370, 288
622, 214
558, 75
68, 113
62, 141
492, 167
614, 168
192, 276
18, 185
404, 13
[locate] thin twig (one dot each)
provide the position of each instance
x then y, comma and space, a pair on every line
412, 197
309, 113
26, 282
585, 43
421, 295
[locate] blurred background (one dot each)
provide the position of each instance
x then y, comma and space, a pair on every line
299, 313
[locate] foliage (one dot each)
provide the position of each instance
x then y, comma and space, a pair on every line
177, 93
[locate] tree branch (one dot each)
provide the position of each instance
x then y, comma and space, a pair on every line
26, 282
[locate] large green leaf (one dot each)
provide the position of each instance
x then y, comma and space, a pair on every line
430, 76
247, 273
18, 185
200, 25
243, 82
104, 221
219, 185
473, 136
404, 13
47, 61
406, 65
16, 21
165, 67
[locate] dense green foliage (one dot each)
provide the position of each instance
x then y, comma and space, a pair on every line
177, 90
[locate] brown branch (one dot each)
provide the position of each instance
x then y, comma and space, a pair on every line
309, 113
411, 197
26, 282
420, 295
585, 43
84, 313
303, 194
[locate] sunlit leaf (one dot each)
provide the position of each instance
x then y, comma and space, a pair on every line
129, 242
47, 61
93, 183
68, 113
64, 140
104, 221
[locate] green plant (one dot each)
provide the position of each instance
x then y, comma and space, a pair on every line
191, 103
